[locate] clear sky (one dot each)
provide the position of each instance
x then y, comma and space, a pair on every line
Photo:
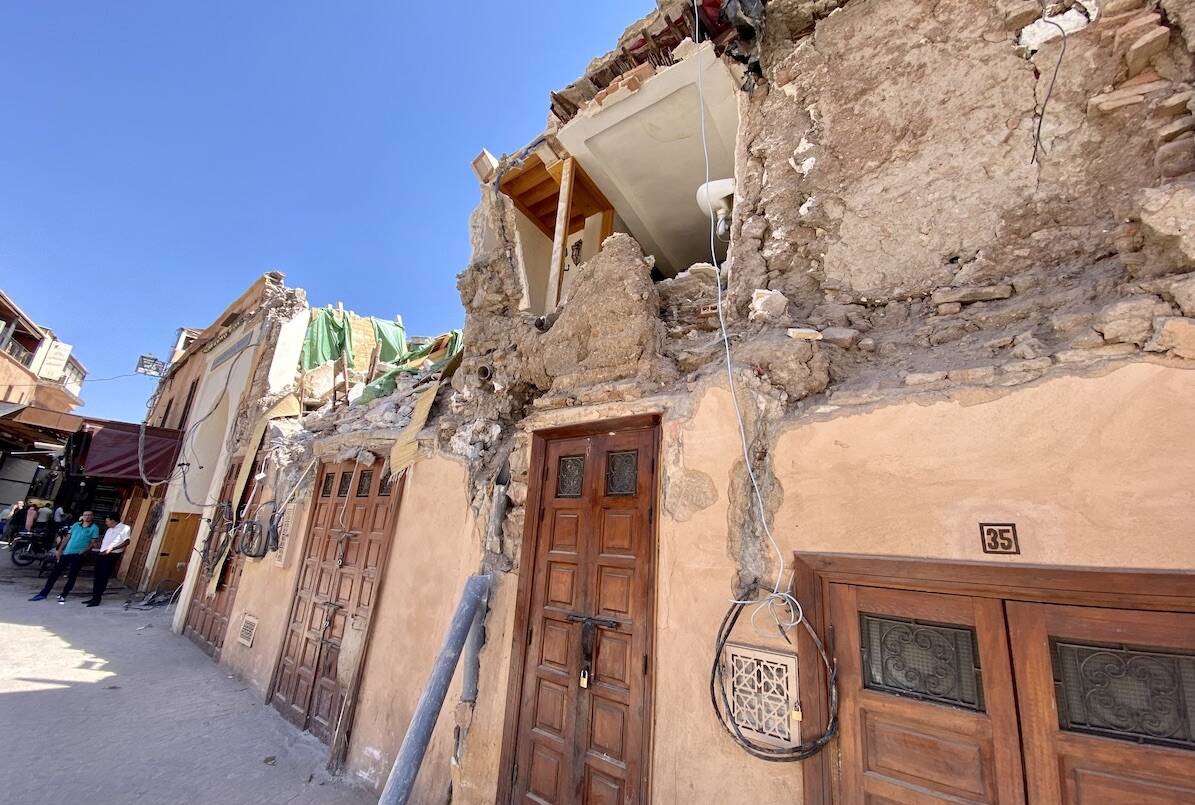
156, 157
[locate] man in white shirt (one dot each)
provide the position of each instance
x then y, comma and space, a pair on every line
116, 538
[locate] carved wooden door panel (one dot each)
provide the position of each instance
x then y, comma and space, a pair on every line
927, 707
344, 555
207, 617
584, 712
1107, 703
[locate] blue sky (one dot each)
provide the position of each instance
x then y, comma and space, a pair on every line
155, 158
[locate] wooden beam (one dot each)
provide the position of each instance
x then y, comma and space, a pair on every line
560, 241
527, 177
545, 189
607, 224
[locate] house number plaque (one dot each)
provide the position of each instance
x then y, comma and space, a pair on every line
999, 538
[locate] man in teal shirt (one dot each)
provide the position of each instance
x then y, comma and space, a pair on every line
83, 536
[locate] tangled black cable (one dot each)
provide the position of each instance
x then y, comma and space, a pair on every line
721, 701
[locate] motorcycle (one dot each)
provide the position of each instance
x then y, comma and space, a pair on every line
28, 547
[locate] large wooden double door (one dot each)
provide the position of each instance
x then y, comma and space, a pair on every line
343, 559
976, 699
580, 704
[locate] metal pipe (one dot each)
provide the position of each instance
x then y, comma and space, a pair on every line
401, 781
471, 673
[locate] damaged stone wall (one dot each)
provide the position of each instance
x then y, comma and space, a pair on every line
898, 237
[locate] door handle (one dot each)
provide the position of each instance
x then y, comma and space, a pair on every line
587, 624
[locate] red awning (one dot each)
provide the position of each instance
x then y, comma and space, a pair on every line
111, 450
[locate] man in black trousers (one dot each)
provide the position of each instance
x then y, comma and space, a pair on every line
83, 536
111, 549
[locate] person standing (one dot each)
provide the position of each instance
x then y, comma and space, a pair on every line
70, 557
111, 549
16, 517
30, 515
42, 521
59, 517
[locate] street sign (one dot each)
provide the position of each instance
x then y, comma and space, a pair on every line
149, 365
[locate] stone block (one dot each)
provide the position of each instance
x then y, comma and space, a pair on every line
1028, 366
1176, 158
767, 305
804, 334
949, 308
1128, 33
844, 337
1130, 321
1174, 334
923, 378
1175, 129
1021, 14
1121, 7
975, 374
1176, 104
985, 293
1145, 48
1183, 292
1095, 354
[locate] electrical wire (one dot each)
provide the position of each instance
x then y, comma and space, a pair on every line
776, 596
1041, 116
773, 597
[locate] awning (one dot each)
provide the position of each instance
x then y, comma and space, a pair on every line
109, 450
27, 424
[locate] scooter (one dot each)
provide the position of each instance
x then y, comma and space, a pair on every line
28, 547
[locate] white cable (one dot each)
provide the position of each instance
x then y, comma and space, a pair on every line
776, 595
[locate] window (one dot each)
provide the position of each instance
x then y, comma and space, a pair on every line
165, 413
182, 419
927, 661
570, 473
364, 483
1134, 694
346, 481
326, 488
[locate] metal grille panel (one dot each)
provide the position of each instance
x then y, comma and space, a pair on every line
763, 694
346, 483
326, 489
1134, 694
570, 473
364, 482
622, 472
926, 661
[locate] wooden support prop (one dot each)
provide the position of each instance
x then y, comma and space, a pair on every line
607, 225
560, 239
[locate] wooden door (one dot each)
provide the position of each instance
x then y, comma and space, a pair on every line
210, 611
1107, 703
174, 549
343, 559
927, 709
583, 711
136, 567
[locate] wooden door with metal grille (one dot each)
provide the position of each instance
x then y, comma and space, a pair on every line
136, 567
210, 610
582, 701
343, 559
928, 710
1107, 703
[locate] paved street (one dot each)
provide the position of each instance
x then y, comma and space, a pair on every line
106, 706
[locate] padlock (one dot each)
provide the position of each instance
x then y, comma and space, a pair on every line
584, 679
796, 714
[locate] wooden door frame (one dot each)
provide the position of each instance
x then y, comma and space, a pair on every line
336, 754
1116, 588
537, 470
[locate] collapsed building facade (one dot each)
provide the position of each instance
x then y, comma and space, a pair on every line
863, 329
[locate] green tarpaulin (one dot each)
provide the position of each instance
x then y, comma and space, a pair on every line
441, 351
328, 338
392, 340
